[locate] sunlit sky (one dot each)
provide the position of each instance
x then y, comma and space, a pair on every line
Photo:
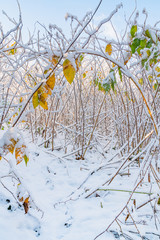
54, 11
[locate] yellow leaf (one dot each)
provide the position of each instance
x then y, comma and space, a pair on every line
0, 157
35, 99
69, 71
157, 69
150, 78
51, 81
108, 49
45, 71
141, 81
14, 50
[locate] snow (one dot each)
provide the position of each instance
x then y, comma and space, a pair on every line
59, 209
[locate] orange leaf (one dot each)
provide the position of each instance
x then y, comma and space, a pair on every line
54, 60
47, 89
26, 207
19, 153
43, 104
51, 81
10, 147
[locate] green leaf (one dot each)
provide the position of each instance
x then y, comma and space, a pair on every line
133, 30
143, 43
100, 87
158, 202
139, 50
120, 73
112, 84
135, 44
106, 87
81, 57
155, 86
69, 71
26, 159
148, 33
133, 48
149, 44
143, 62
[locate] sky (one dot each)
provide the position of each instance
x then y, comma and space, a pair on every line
54, 11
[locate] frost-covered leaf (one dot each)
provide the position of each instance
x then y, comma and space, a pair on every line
20, 152
69, 71
54, 60
108, 49
106, 87
147, 32
10, 147
112, 84
149, 44
133, 30
47, 89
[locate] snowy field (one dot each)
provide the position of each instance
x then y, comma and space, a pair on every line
62, 204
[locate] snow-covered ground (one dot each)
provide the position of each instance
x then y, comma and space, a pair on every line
61, 210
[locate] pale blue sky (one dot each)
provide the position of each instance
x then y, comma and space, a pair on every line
53, 11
